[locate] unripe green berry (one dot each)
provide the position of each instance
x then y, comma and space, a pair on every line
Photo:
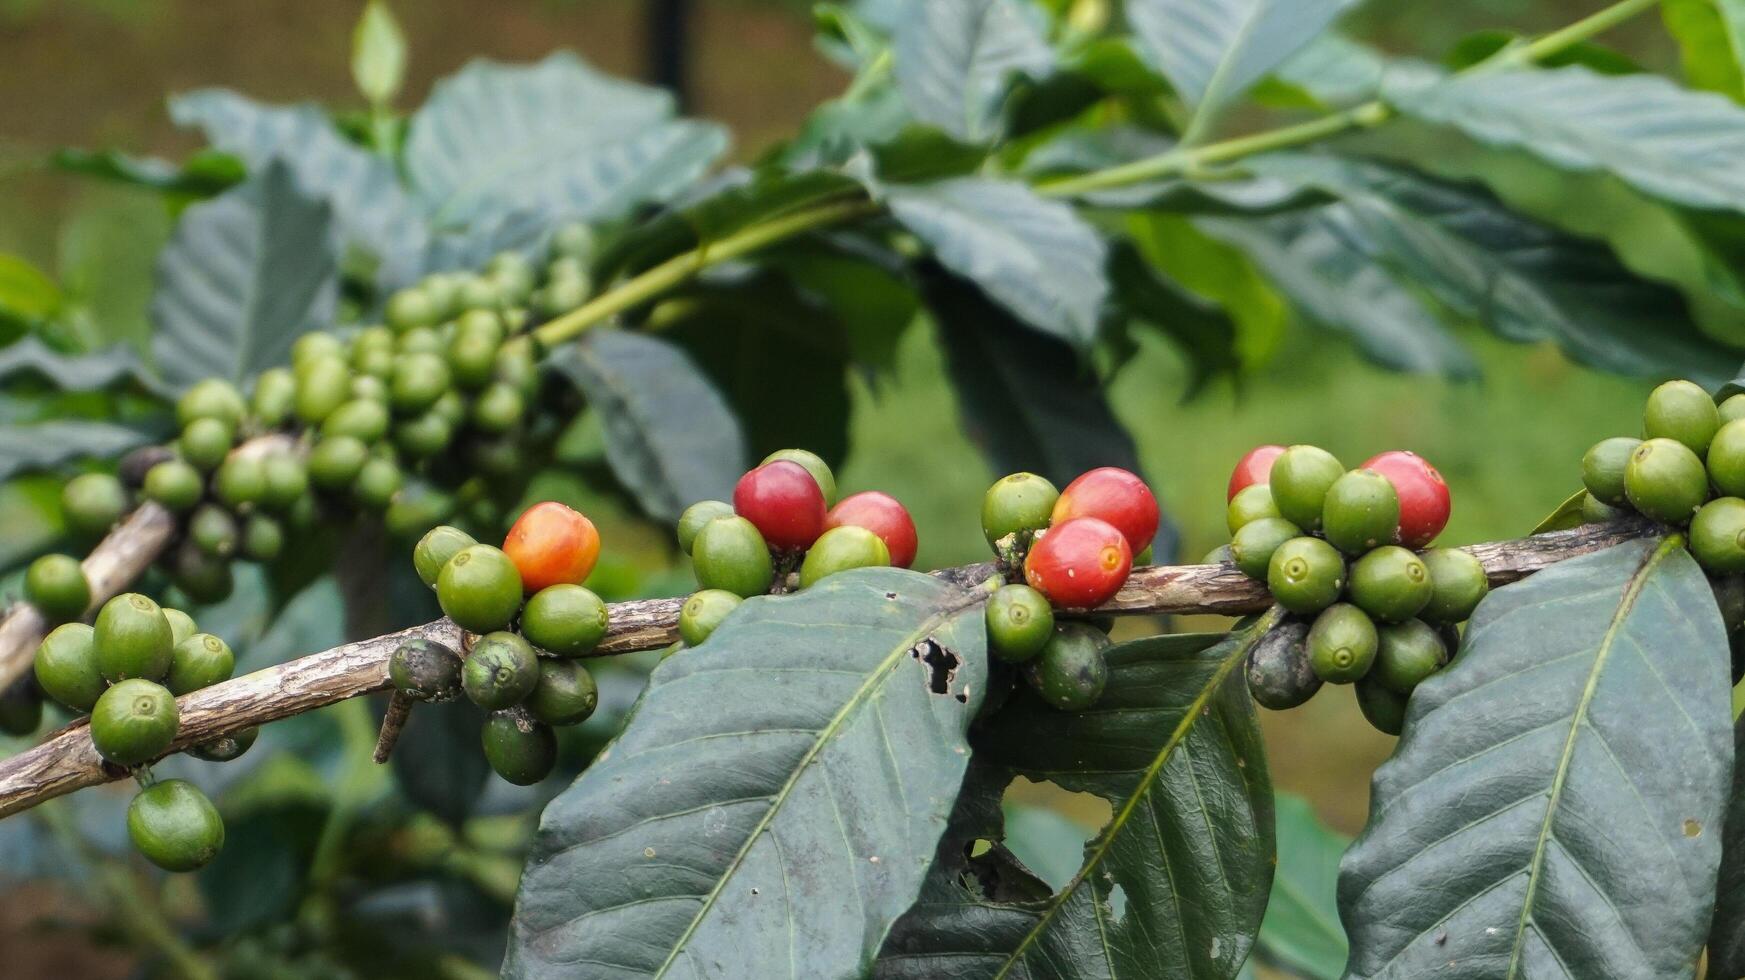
1020, 503
1717, 536
1382, 708
240, 482
56, 586
1342, 644
479, 588
697, 515
1726, 460
425, 670
1361, 511
565, 695
1666, 481
566, 620
1300, 479
1732, 409
498, 408
841, 549
1255, 542
322, 386
274, 398
1458, 583
419, 340
286, 480
134, 722
1391, 584
181, 624
199, 661
1072, 669
419, 379
312, 347
574, 240
175, 826
212, 398
435, 549
1305, 575
730, 553
334, 463
1407, 653
213, 530
377, 482
92, 503
205, 442
522, 757
263, 538
1251, 503
423, 436
1681, 411
174, 485
411, 307
1020, 623
204, 578
66, 667
500, 672
132, 639
361, 418
703, 612
1602, 468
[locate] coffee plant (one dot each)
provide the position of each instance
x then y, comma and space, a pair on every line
390, 348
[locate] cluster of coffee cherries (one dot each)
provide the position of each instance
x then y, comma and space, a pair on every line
784, 530
1687, 469
1074, 549
125, 671
1346, 553
528, 619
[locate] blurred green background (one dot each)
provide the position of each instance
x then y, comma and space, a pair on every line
93, 73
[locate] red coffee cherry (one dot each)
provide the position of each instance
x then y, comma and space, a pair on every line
1424, 501
783, 502
1113, 495
1079, 563
1255, 467
884, 516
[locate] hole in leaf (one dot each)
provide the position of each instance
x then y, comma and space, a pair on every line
1047, 827
941, 665
1117, 904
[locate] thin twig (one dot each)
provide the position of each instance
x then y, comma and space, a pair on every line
66, 760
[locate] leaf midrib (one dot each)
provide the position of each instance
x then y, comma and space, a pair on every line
1190, 717
875, 678
1535, 868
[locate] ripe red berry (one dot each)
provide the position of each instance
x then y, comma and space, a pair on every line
884, 516
1255, 467
552, 544
1113, 495
1080, 563
783, 502
1424, 501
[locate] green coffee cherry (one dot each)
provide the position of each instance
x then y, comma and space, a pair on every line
498, 409
1280, 676
20, 710
1391, 584
419, 379
841, 549
1595, 512
501, 671
205, 443
423, 436
213, 530
561, 296
1717, 536
565, 620
240, 482
174, 485
263, 538
1255, 542
132, 639
1726, 460
334, 463
565, 694
375, 364
134, 722
1384, 709
201, 660
697, 515
1020, 623
435, 549
411, 307
703, 612
377, 482
1305, 575
1732, 410
472, 355
730, 553
812, 463
226, 748
212, 398
442, 289
1219, 555
181, 624
1361, 511
1407, 653
92, 503
1457, 584
1300, 479
204, 578
322, 386
419, 340
175, 826
517, 368
56, 586
274, 398
574, 240
311, 347
478, 293
1666, 481
1602, 468
1681, 411
1021, 503
360, 418
480, 589
66, 667
286, 479
1072, 670
1342, 644
1251, 503
425, 670
521, 755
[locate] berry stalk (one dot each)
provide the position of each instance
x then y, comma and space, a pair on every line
67, 760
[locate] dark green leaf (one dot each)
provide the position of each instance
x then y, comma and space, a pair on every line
1301, 930
773, 804
259, 876
1554, 808
1080, 151
1524, 280
1567, 515
954, 59
204, 174
26, 292
1474, 49
1665, 141
1174, 885
670, 437
46, 445
368, 205
1331, 72
1711, 40
438, 762
1215, 50
1035, 256
555, 138
1727, 930
1314, 260
245, 274
1203, 331
72, 372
